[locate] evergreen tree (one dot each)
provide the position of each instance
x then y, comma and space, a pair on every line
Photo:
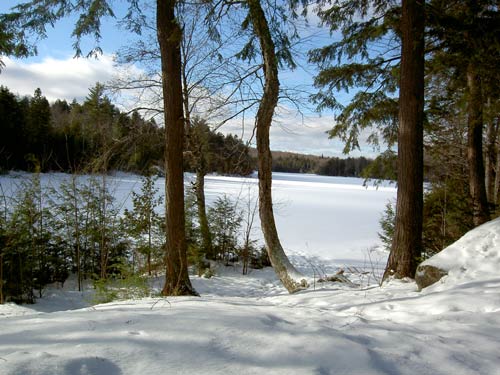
11, 130
466, 39
104, 241
225, 222
38, 129
100, 121
69, 216
366, 57
31, 259
144, 224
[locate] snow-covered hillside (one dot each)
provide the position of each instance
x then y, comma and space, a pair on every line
250, 325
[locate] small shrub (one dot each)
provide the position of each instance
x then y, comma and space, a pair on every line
129, 286
260, 259
387, 223
209, 273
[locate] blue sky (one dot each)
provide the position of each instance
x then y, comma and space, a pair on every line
61, 76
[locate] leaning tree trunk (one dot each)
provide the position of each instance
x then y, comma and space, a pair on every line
169, 38
407, 242
480, 210
288, 275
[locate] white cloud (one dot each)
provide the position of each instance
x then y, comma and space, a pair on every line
58, 79
307, 135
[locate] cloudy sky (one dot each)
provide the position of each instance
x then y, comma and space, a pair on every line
60, 76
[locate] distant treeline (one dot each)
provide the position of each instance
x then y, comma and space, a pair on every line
328, 166
94, 137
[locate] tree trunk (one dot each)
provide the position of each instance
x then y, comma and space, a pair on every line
490, 160
496, 190
407, 242
480, 210
169, 38
195, 142
206, 236
289, 276
76, 228
1, 277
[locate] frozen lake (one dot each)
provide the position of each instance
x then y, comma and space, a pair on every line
329, 218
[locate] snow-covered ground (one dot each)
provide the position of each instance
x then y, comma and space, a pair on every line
250, 325
328, 220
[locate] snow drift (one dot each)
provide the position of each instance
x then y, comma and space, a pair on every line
474, 257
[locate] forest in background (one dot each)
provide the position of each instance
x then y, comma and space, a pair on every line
96, 136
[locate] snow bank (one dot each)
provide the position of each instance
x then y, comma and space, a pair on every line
473, 258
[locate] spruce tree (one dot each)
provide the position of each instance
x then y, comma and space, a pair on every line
225, 222
144, 224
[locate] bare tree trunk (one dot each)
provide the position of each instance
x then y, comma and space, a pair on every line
247, 245
288, 275
103, 226
407, 242
76, 228
150, 243
195, 144
496, 190
1, 277
206, 236
480, 210
169, 38
490, 159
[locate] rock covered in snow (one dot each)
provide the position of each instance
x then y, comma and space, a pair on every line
427, 275
474, 256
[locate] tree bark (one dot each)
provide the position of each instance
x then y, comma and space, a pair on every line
407, 242
496, 190
480, 210
169, 38
1, 277
490, 159
206, 236
289, 276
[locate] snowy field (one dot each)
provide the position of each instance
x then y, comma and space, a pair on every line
250, 325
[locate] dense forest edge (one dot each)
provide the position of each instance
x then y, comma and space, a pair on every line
96, 136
